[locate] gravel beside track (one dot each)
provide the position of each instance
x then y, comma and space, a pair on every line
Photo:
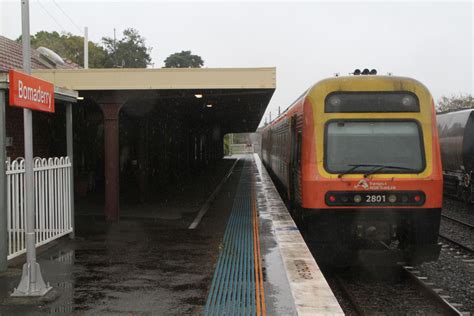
454, 274
457, 232
459, 210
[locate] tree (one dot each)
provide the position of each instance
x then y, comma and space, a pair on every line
453, 103
71, 47
183, 60
128, 52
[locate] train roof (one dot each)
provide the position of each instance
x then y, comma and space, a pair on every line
460, 112
401, 81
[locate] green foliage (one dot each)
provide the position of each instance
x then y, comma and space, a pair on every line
227, 145
71, 47
455, 102
183, 60
129, 51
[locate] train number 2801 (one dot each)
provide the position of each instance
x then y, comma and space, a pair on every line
374, 198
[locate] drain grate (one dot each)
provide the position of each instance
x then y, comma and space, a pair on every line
237, 286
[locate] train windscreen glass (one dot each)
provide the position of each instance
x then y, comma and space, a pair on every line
365, 102
373, 146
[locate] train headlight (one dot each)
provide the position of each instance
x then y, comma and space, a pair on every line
357, 198
335, 101
392, 198
417, 198
408, 100
332, 198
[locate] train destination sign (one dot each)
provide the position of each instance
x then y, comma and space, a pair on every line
29, 92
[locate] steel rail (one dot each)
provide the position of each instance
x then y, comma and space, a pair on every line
347, 293
448, 308
457, 244
457, 221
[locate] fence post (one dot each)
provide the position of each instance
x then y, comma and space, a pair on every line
70, 153
3, 189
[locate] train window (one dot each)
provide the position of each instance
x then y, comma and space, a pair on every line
373, 146
353, 102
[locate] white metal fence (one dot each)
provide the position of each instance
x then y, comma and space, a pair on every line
53, 205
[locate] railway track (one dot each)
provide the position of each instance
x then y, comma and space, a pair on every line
448, 308
452, 219
465, 225
412, 288
457, 244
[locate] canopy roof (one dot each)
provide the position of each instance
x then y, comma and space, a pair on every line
233, 98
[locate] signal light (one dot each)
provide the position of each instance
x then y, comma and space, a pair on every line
356, 72
373, 72
365, 71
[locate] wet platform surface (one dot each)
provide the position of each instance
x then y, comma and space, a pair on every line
155, 265
137, 266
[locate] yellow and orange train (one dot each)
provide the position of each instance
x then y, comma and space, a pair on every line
358, 160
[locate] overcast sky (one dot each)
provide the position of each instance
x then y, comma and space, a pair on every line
306, 41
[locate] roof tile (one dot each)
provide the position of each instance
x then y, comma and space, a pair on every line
11, 56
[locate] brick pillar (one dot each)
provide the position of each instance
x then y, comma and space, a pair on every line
111, 159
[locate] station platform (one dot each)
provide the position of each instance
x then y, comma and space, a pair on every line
237, 252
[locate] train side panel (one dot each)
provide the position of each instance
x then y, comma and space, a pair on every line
456, 135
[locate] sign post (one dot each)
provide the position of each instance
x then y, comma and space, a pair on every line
31, 283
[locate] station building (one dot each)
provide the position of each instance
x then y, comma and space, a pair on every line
130, 134
49, 129
138, 130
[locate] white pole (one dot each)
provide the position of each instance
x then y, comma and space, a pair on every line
86, 48
3, 189
70, 154
31, 283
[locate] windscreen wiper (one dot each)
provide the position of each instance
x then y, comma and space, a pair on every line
381, 167
354, 167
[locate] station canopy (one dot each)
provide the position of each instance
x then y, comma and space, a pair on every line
233, 98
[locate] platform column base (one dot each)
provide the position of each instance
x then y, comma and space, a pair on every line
32, 283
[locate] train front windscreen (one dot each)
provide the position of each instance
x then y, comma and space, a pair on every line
366, 146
